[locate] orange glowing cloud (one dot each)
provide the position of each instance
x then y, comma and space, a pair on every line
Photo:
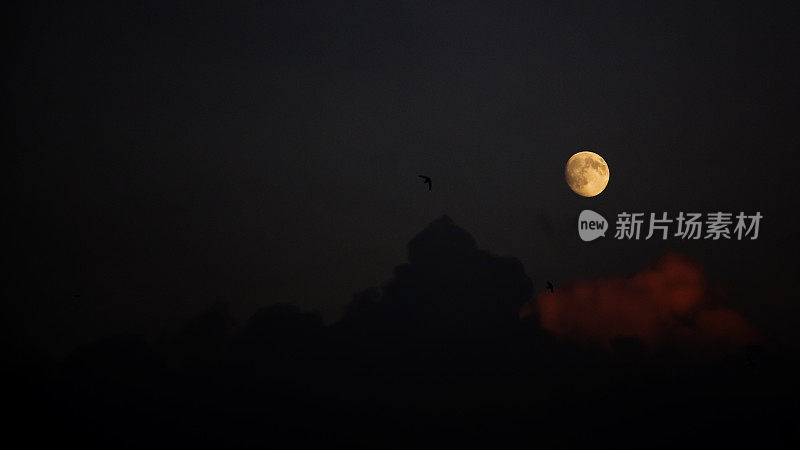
666, 304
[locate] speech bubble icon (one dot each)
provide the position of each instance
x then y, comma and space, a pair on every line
591, 225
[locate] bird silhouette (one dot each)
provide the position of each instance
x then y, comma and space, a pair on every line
549, 287
427, 180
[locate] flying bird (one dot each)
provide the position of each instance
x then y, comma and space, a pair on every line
427, 180
549, 287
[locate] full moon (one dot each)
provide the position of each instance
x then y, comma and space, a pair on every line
587, 173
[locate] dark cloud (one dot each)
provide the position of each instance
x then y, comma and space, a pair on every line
437, 355
448, 282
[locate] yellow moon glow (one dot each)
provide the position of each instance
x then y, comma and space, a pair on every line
587, 173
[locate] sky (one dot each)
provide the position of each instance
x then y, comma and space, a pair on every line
161, 158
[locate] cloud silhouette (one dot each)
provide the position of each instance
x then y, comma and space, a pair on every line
448, 285
435, 356
668, 304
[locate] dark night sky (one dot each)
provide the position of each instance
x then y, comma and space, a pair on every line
162, 158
